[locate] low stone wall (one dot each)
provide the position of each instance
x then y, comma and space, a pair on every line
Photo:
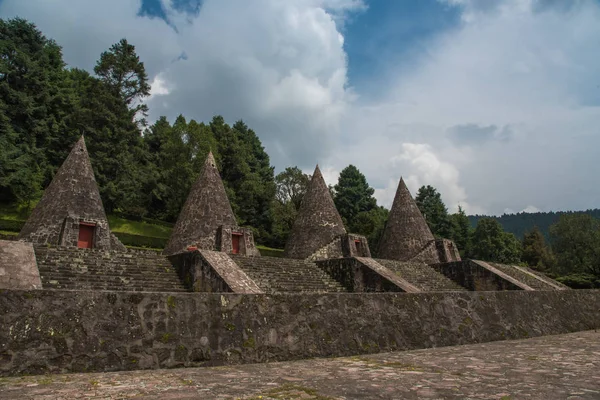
56, 331
356, 276
474, 275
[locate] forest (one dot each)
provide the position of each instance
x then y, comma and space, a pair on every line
145, 170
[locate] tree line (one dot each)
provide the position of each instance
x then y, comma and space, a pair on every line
146, 171
571, 253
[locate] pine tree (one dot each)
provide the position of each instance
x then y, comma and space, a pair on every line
353, 196
120, 68
461, 231
435, 212
535, 252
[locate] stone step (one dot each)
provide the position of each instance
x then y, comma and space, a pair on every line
84, 269
422, 276
280, 275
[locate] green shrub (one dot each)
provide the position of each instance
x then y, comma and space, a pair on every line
580, 281
141, 241
11, 225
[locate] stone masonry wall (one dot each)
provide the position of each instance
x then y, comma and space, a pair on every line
56, 331
473, 276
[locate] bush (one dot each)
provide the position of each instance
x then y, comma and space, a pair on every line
141, 241
11, 225
580, 281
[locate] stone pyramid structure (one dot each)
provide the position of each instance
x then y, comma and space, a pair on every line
206, 209
406, 233
71, 200
318, 222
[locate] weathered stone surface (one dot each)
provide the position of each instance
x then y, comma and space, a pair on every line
205, 210
361, 274
52, 331
548, 367
286, 275
18, 269
406, 232
479, 275
317, 225
536, 282
228, 270
97, 269
423, 276
71, 198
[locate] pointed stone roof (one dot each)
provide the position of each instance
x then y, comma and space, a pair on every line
205, 210
74, 193
318, 221
406, 232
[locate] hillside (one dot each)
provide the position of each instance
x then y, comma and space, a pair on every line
520, 223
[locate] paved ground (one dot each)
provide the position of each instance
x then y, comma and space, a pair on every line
551, 367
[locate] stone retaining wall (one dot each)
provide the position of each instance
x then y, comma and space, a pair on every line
56, 331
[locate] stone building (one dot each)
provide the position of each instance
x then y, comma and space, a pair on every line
207, 221
407, 236
318, 231
70, 212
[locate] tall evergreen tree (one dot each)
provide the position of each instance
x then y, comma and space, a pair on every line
461, 231
33, 104
535, 252
432, 207
120, 68
353, 196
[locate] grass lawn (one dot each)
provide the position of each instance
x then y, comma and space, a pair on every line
138, 227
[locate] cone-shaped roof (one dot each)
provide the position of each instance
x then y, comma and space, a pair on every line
73, 192
318, 221
406, 231
206, 208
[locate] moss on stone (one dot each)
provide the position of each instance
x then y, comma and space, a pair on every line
171, 302
250, 343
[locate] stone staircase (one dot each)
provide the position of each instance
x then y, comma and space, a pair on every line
91, 269
281, 275
520, 275
422, 276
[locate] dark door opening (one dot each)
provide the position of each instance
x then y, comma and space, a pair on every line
86, 236
235, 243
359, 248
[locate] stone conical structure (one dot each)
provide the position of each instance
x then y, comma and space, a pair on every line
406, 232
71, 199
318, 222
206, 209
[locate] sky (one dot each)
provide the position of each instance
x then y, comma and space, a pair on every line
496, 103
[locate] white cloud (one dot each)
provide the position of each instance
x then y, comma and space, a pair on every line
521, 73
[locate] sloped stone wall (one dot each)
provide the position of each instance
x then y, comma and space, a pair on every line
56, 331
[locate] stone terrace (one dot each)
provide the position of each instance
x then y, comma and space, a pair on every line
91, 269
528, 279
422, 276
549, 367
280, 275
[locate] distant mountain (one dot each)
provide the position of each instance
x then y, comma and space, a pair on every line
524, 222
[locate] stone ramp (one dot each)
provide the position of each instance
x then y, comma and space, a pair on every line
281, 275
237, 280
422, 276
388, 274
526, 276
92, 269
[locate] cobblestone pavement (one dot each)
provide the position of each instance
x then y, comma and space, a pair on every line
550, 367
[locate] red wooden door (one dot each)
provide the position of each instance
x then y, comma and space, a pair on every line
235, 243
86, 236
